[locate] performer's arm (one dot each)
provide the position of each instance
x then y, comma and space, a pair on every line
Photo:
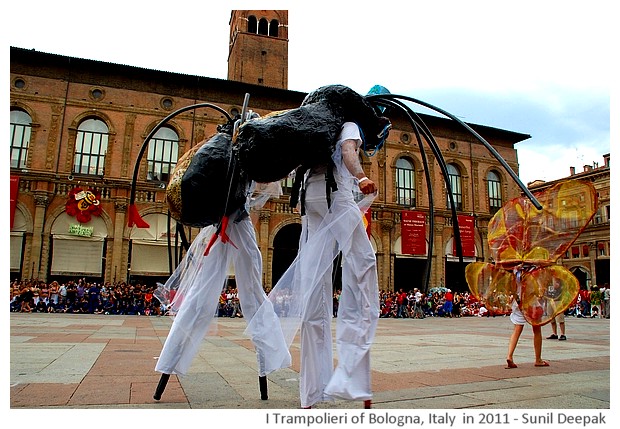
352, 162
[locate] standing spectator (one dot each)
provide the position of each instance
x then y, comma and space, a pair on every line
558, 320
44, 294
418, 310
62, 294
54, 291
81, 289
449, 297
104, 294
71, 294
386, 307
335, 303
26, 297
402, 302
93, 298
35, 292
584, 293
457, 304
606, 302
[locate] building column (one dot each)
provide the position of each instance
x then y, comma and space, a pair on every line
592, 255
41, 202
263, 244
440, 265
116, 269
386, 273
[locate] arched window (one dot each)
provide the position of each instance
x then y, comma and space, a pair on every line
454, 176
252, 25
91, 146
21, 128
494, 187
405, 183
273, 28
263, 27
287, 183
162, 154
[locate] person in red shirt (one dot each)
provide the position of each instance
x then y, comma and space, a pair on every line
402, 302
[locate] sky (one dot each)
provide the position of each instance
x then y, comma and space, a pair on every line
542, 68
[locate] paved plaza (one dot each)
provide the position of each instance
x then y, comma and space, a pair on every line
69, 361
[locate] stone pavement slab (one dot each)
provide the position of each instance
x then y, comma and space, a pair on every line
60, 361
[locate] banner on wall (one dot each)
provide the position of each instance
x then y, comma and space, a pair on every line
466, 229
413, 232
14, 192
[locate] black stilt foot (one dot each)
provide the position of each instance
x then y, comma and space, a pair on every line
367, 404
161, 386
262, 384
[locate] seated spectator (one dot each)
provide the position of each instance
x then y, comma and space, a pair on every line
594, 312
41, 306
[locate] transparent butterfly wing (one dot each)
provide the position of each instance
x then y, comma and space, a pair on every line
520, 233
526, 241
491, 285
547, 292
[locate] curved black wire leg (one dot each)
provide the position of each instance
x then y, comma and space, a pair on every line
431, 214
490, 148
420, 127
132, 198
429, 188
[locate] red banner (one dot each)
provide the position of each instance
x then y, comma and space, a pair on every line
413, 232
466, 229
14, 192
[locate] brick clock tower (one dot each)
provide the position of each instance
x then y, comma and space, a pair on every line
258, 47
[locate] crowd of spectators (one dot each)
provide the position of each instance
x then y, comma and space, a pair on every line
80, 296
438, 302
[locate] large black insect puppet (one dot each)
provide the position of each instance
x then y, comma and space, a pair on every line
264, 150
269, 148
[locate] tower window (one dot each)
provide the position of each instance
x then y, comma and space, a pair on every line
273, 28
263, 27
252, 24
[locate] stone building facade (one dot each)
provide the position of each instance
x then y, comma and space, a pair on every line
589, 256
77, 127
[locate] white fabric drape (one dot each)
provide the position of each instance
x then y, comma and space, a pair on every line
193, 294
302, 298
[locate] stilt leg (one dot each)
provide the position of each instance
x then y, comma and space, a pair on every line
262, 384
161, 386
